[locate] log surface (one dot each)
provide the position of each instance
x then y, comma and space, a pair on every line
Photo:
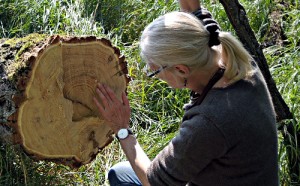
53, 115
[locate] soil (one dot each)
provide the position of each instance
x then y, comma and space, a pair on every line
275, 34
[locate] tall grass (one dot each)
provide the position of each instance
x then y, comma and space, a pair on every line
156, 108
284, 66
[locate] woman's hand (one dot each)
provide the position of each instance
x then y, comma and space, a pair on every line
116, 112
189, 5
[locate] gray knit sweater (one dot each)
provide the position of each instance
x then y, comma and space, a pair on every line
230, 139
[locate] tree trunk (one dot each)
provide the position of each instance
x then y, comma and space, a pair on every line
237, 16
47, 90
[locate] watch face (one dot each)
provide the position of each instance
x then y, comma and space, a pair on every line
122, 133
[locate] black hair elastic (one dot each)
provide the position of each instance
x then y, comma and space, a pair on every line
214, 34
210, 24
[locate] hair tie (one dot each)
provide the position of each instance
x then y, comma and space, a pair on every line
214, 31
202, 13
210, 24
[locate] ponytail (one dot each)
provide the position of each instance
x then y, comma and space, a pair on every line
238, 59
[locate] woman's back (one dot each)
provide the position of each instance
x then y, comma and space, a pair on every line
230, 139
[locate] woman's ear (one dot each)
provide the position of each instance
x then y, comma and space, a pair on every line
182, 70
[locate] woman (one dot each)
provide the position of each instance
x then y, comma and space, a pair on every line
228, 133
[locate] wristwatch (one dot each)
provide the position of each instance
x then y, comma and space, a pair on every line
123, 133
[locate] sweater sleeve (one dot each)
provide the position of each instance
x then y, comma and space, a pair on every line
199, 142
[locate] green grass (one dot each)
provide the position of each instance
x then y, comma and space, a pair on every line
156, 108
285, 69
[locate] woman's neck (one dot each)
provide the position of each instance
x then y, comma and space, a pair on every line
199, 79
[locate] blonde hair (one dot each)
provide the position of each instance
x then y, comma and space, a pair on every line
180, 38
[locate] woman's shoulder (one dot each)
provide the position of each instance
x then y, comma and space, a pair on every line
238, 92
234, 103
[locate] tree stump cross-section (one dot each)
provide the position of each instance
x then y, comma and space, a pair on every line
56, 118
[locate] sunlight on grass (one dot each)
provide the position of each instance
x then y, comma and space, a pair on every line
156, 108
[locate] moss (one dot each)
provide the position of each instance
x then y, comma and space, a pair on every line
27, 45
29, 41
35, 38
18, 46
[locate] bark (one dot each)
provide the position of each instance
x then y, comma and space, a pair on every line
47, 95
238, 18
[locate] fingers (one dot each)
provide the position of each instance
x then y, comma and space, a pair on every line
99, 106
107, 92
101, 90
102, 108
125, 99
110, 93
108, 97
103, 98
112, 109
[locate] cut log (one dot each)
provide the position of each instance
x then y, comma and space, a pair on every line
54, 115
